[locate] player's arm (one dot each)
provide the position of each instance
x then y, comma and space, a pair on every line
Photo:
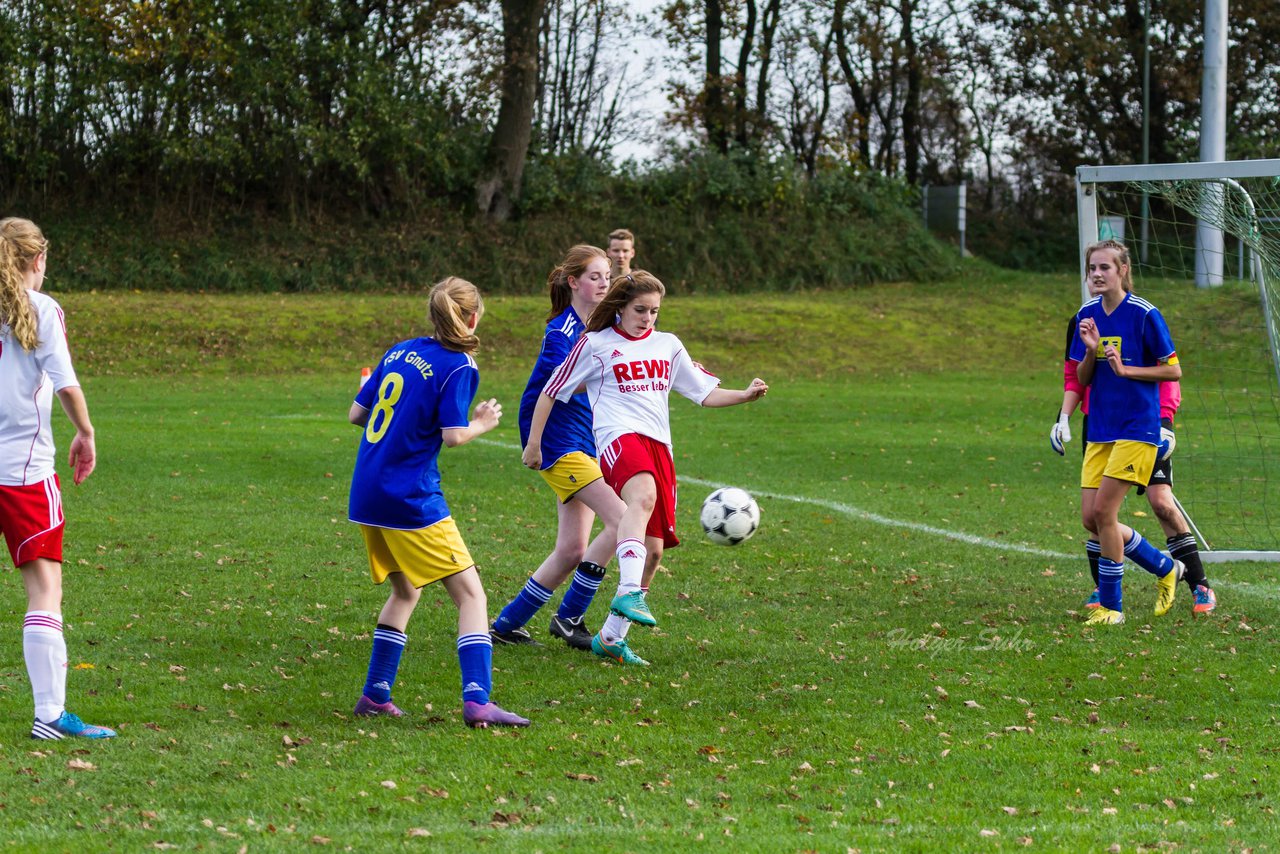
1089, 337
485, 418
532, 455
1163, 372
1072, 393
83, 457
718, 397
1170, 400
358, 415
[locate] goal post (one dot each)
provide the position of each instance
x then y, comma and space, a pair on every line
1227, 462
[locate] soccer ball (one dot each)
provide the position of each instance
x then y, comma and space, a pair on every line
729, 516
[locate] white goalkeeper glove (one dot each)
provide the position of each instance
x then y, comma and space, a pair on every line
1060, 434
1167, 443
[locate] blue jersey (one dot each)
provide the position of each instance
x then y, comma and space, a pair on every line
418, 389
1119, 408
569, 425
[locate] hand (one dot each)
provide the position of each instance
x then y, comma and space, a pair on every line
1167, 443
1114, 360
1060, 434
1089, 335
532, 456
757, 389
487, 415
83, 457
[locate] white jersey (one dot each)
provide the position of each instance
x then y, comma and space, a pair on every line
628, 381
27, 383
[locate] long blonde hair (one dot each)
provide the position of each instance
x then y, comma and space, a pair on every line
454, 302
574, 265
21, 242
623, 290
1122, 259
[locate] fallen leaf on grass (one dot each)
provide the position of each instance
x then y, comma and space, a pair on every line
418, 831
585, 778
81, 765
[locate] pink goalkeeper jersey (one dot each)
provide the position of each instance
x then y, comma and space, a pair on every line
27, 383
628, 381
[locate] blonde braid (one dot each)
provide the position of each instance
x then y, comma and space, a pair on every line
20, 243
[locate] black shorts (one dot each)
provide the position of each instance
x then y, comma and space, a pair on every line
1161, 475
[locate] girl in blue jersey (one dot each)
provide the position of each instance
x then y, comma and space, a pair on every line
416, 400
1123, 348
569, 466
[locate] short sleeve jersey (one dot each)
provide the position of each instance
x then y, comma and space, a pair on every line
1119, 408
28, 380
418, 389
569, 425
628, 381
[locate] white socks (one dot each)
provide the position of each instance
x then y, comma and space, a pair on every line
46, 653
631, 555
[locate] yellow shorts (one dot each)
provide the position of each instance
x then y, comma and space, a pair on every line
1123, 460
425, 555
570, 473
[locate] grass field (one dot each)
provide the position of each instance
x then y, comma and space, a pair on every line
895, 661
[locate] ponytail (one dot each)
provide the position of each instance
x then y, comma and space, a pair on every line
454, 302
21, 242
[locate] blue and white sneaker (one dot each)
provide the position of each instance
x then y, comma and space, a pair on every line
68, 725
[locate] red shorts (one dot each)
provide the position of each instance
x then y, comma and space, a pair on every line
31, 517
632, 454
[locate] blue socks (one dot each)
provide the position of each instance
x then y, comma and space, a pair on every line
475, 660
1148, 556
586, 581
384, 662
522, 608
1110, 573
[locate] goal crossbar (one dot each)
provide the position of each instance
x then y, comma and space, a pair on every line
1179, 171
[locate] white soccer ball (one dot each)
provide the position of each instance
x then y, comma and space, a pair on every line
729, 516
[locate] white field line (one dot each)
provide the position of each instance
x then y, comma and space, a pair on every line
867, 516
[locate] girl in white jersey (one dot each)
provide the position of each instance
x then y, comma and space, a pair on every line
628, 369
35, 364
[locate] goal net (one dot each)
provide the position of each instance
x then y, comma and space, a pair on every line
1205, 243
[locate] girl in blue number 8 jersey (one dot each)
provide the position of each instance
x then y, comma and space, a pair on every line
1123, 347
415, 401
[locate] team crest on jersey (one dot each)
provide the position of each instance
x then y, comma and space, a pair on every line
1108, 341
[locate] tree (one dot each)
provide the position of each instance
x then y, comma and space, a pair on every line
499, 186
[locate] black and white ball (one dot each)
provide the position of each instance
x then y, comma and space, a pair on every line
729, 516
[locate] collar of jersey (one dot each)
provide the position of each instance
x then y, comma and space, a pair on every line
622, 332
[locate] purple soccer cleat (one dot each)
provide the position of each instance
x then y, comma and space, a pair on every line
489, 714
366, 708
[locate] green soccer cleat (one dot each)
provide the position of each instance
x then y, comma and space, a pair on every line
1167, 587
1104, 616
618, 652
633, 607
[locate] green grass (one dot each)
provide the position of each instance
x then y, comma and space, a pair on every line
856, 675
